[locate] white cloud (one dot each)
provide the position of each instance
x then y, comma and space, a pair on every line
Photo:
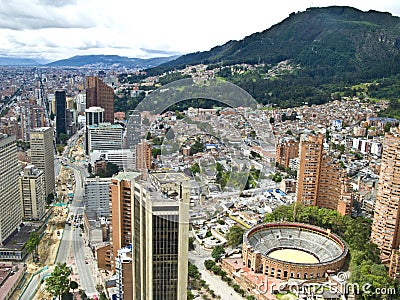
57, 29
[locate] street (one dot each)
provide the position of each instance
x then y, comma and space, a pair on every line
197, 257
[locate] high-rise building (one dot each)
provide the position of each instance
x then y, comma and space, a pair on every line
42, 154
125, 159
133, 129
10, 200
61, 106
152, 216
33, 193
97, 198
105, 136
121, 194
143, 155
100, 94
286, 150
94, 115
386, 223
321, 181
123, 266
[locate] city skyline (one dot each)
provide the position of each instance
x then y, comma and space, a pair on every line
141, 30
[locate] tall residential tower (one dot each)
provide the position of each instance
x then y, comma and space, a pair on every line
386, 223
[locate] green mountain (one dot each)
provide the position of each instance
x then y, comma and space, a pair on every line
330, 50
331, 39
106, 61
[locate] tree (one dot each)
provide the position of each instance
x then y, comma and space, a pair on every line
218, 251
191, 243
387, 126
33, 242
155, 152
60, 149
193, 271
196, 147
209, 263
235, 236
73, 285
111, 169
58, 283
195, 168
50, 198
63, 137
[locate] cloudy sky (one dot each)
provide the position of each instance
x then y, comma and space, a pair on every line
57, 29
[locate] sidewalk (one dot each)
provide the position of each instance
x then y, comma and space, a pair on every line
220, 287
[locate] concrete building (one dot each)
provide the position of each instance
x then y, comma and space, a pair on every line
321, 181
121, 193
143, 155
105, 136
42, 154
61, 106
153, 216
94, 115
123, 158
33, 193
133, 129
10, 200
97, 198
386, 226
124, 280
286, 150
100, 94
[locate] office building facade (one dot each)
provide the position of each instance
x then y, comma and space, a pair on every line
10, 199
94, 115
100, 94
97, 198
61, 106
155, 218
42, 154
33, 193
105, 136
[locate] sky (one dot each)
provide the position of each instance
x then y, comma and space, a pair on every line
50, 30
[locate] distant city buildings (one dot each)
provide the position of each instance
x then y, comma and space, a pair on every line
33, 193
286, 150
42, 154
143, 155
10, 200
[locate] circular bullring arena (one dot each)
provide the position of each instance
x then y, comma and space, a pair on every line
293, 250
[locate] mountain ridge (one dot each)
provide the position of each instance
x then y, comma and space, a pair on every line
340, 37
109, 61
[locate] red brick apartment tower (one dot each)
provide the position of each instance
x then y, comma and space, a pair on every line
322, 181
386, 223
